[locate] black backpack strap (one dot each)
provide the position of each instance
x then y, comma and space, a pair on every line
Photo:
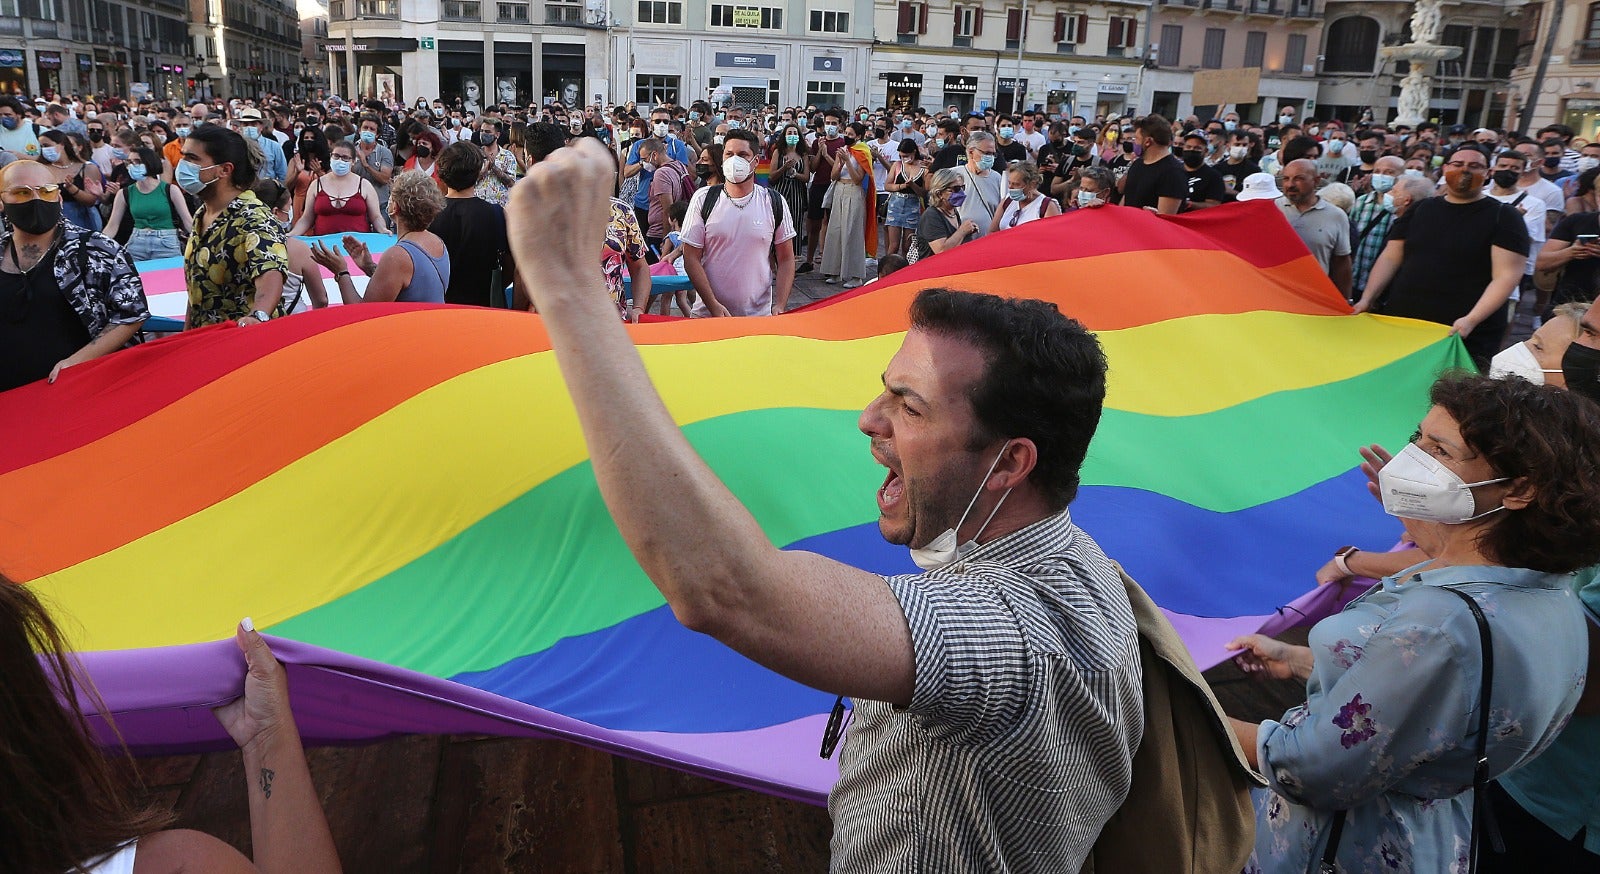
710, 201
1335, 831
1371, 223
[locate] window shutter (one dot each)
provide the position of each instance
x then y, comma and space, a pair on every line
922, 18
1061, 27
977, 21
1132, 32
1115, 40
907, 13
1013, 24
1083, 28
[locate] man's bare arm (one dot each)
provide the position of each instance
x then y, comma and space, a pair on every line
812, 619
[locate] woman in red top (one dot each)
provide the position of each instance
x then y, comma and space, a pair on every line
339, 201
425, 149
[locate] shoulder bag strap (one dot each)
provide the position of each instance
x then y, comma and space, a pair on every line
1371, 223
1481, 817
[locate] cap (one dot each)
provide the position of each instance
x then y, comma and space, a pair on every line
1259, 186
1197, 133
249, 113
1458, 129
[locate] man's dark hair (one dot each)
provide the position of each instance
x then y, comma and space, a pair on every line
224, 146
1044, 378
1551, 438
460, 165
14, 103
542, 138
745, 134
835, 113
1156, 128
1298, 148
950, 126
1368, 134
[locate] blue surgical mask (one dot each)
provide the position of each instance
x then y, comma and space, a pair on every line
792, 139
340, 166
832, 130
1073, 130
1007, 132
119, 154
1230, 125
188, 176
905, 124
985, 162
734, 125
694, 115
1412, 171
136, 172
1382, 183
1016, 194
1388, 201
251, 132
368, 136
1086, 198
50, 153
10, 122
181, 130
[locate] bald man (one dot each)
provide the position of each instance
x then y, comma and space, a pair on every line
1323, 227
86, 297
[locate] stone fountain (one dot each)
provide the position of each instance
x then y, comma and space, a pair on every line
1423, 52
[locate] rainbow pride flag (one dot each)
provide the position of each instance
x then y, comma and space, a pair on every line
399, 494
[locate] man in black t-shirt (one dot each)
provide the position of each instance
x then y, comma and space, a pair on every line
952, 150
473, 231
1579, 262
1205, 184
1157, 179
1454, 259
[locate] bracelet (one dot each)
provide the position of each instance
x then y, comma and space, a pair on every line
341, 273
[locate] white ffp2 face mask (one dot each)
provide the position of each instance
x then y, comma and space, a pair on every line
1518, 360
946, 548
736, 169
1415, 485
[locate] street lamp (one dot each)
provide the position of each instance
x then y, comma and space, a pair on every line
305, 80
200, 75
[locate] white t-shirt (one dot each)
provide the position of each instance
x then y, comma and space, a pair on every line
1533, 214
890, 152
1034, 141
733, 246
1549, 192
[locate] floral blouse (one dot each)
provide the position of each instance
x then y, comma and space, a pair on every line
223, 262
624, 241
1390, 719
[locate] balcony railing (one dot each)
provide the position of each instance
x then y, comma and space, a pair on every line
462, 10
563, 13
1585, 51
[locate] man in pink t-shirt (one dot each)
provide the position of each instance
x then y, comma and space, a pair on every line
726, 254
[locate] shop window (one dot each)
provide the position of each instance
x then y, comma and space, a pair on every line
655, 90
824, 94
660, 12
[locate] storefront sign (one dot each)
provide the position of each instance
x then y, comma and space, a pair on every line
1574, 104
377, 44
911, 81
961, 84
1113, 88
747, 62
49, 60
1008, 85
86, 63
822, 64
10, 57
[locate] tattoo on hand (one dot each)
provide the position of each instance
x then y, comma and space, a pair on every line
266, 781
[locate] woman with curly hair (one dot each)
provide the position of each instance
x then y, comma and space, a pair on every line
416, 269
1409, 686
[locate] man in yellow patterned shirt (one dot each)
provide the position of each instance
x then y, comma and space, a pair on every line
235, 260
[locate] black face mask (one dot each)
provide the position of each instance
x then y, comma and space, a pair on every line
424, 150
487, 138
1369, 156
1079, 150
1505, 178
1127, 147
97, 135
35, 216
702, 170
1193, 157
1553, 161
1580, 365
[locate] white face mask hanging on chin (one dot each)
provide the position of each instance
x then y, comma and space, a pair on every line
946, 549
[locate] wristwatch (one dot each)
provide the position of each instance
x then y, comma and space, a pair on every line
259, 316
1341, 558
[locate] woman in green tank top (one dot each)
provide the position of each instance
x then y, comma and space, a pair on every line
156, 209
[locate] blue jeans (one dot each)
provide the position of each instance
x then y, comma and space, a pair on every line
148, 244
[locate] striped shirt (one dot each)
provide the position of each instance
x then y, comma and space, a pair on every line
1028, 707
1368, 211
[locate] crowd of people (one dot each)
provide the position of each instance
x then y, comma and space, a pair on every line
1455, 686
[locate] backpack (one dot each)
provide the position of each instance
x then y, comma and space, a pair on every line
686, 185
714, 192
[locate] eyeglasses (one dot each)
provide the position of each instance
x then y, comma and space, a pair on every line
24, 193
